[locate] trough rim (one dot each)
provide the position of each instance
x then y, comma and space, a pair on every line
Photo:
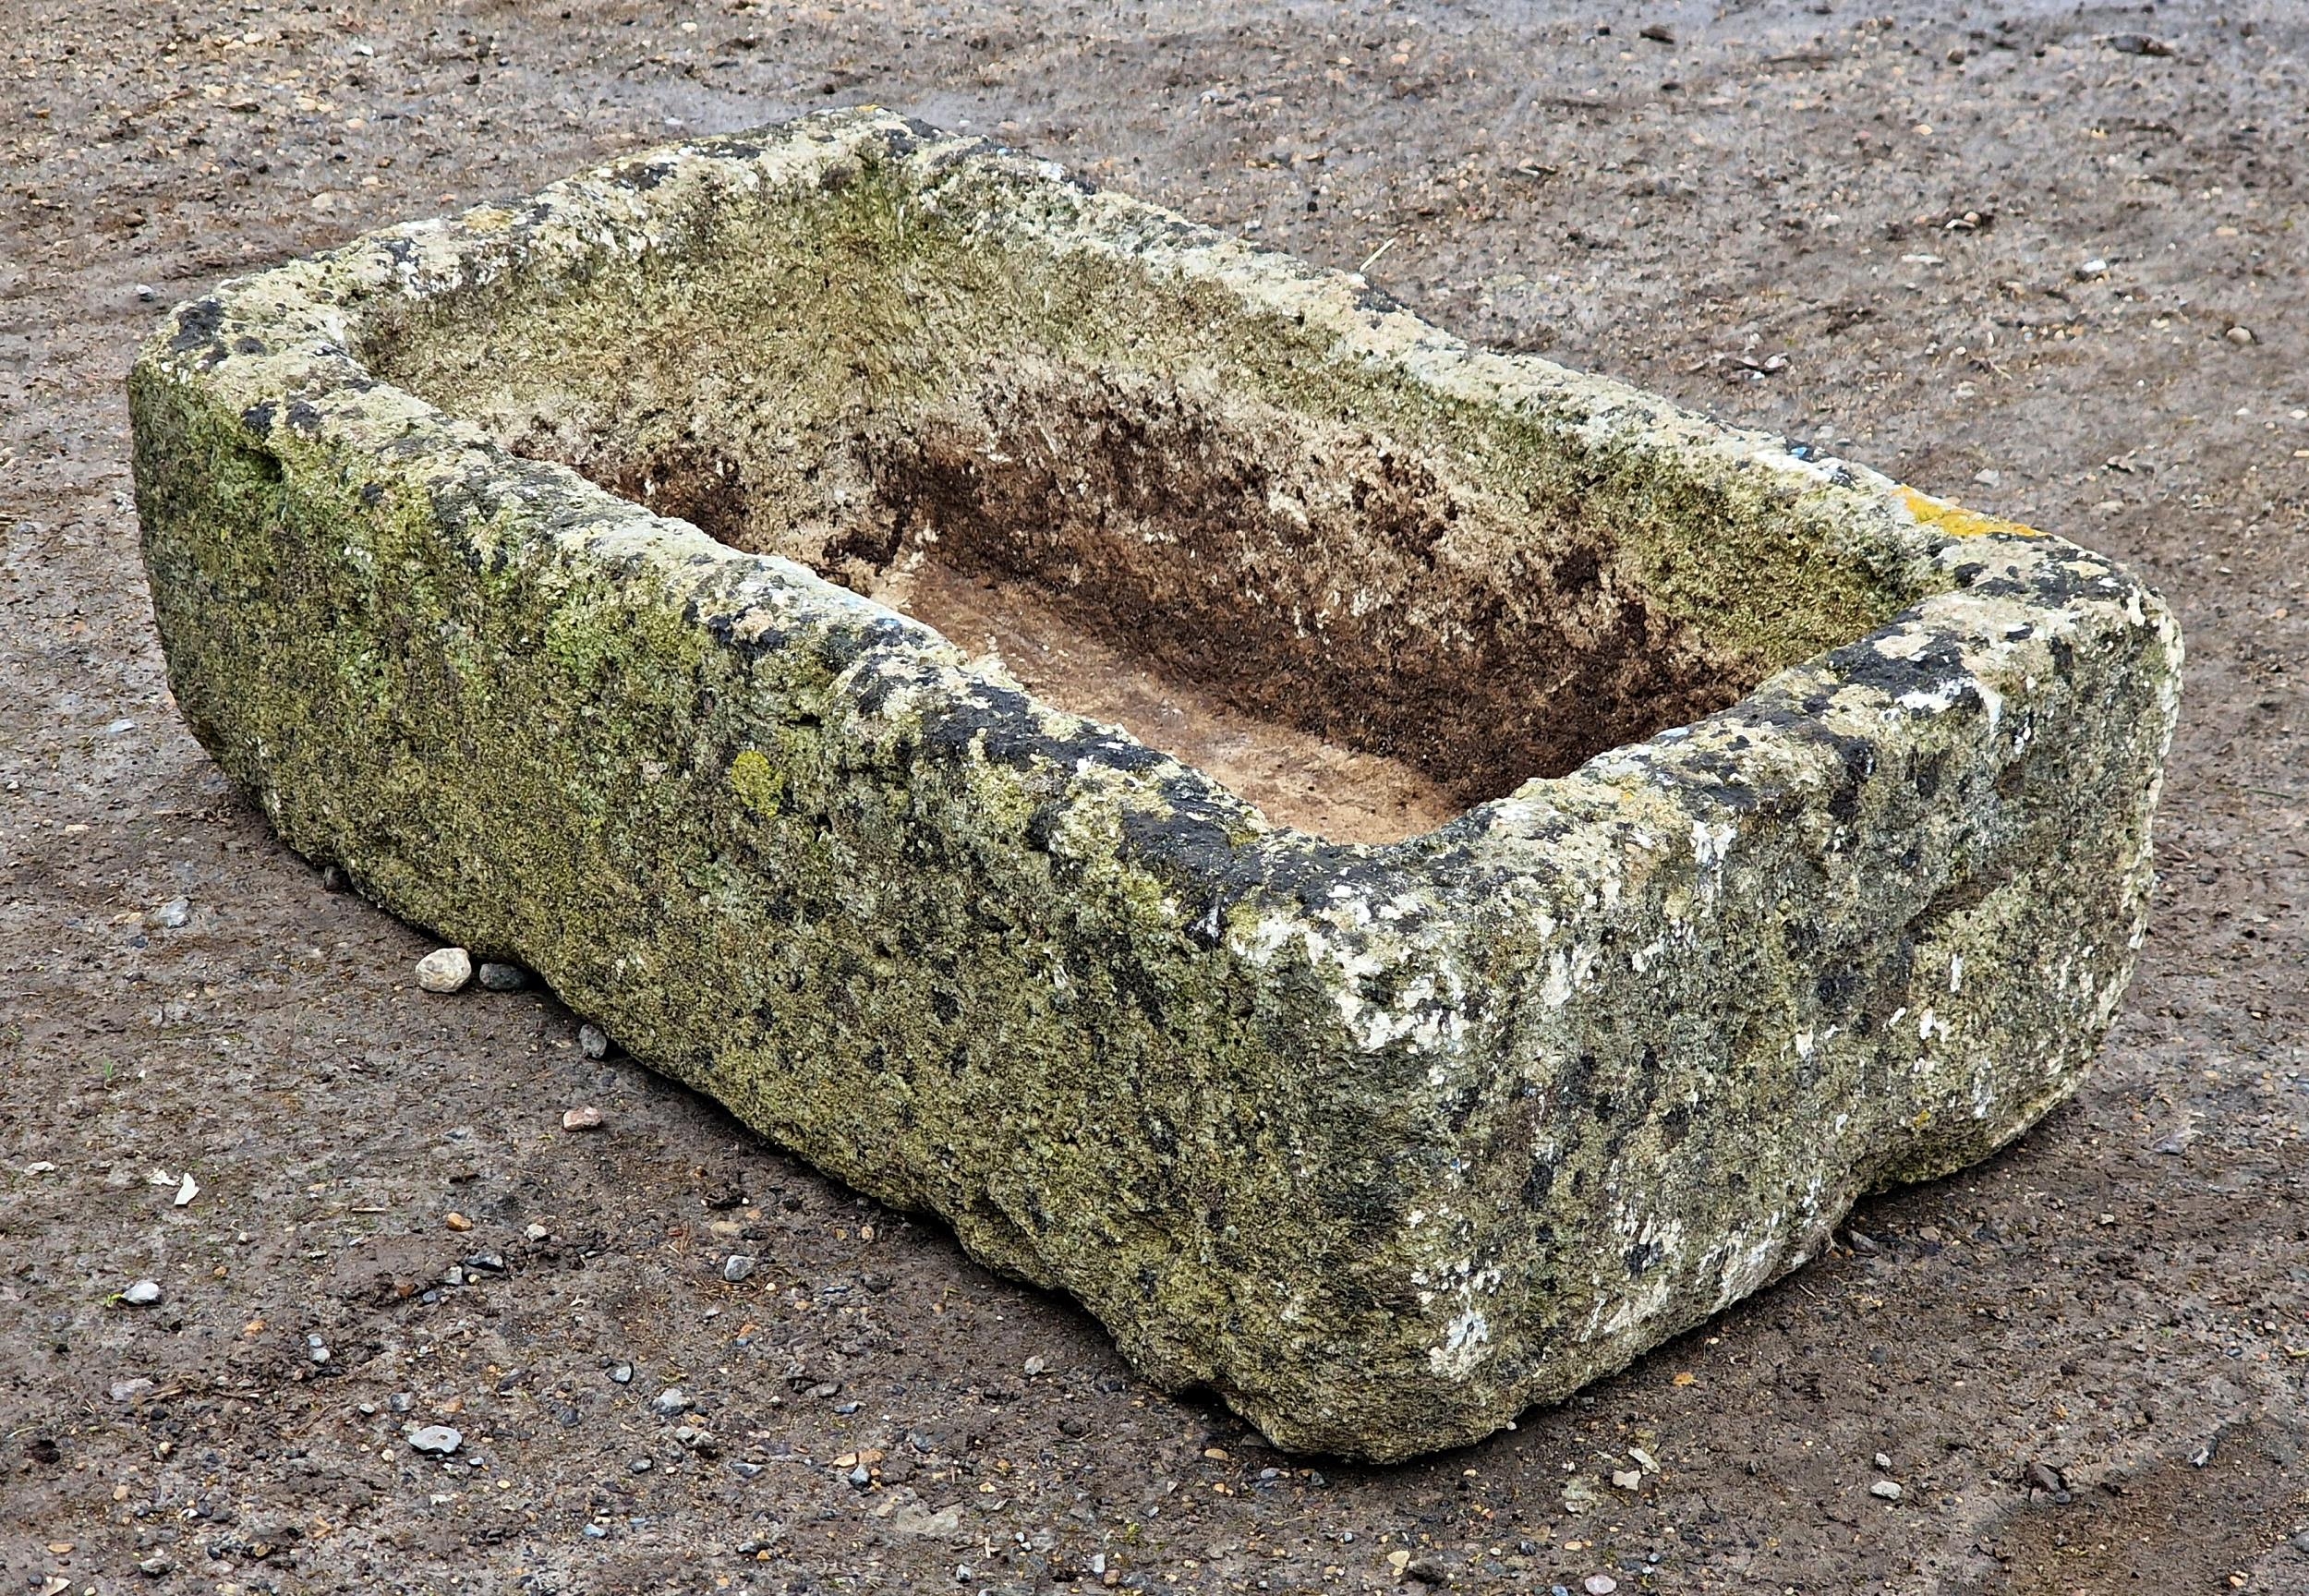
1981, 563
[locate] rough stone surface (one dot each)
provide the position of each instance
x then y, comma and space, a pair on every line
1383, 1142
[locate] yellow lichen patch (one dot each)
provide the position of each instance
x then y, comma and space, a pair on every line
757, 782
1957, 521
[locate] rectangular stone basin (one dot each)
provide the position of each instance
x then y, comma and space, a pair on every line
1400, 876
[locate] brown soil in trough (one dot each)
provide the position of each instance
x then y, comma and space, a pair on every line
1296, 778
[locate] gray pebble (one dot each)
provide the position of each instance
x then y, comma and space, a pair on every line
401, 1401
669, 1401
640, 1466
593, 1041
1885, 1489
622, 1373
737, 1267
152, 1567
142, 1294
497, 977
129, 1390
172, 916
436, 1440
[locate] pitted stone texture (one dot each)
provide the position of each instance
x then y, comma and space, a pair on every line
1384, 1143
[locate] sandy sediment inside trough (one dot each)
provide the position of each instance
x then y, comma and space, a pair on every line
1298, 779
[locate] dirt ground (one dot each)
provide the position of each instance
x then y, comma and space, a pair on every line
2083, 1363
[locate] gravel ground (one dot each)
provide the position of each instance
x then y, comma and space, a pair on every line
2047, 260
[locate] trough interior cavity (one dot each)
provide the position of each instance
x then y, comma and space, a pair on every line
1362, 606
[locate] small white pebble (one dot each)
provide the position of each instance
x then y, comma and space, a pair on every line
445, 969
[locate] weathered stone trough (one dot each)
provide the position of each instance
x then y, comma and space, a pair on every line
1402, 876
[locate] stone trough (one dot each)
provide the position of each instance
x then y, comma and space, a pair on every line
1399, 875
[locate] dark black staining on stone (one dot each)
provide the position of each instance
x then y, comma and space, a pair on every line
839, 648
644, 176
198, 325
1640, 1257
258, 418
910, 135
758, 643
1539, 1183
305, 418
1926, 774
1193, 854
1675, 1124
1835, 989
1041, 826
1377, 301
1858, 758
248, 344
1865, 665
